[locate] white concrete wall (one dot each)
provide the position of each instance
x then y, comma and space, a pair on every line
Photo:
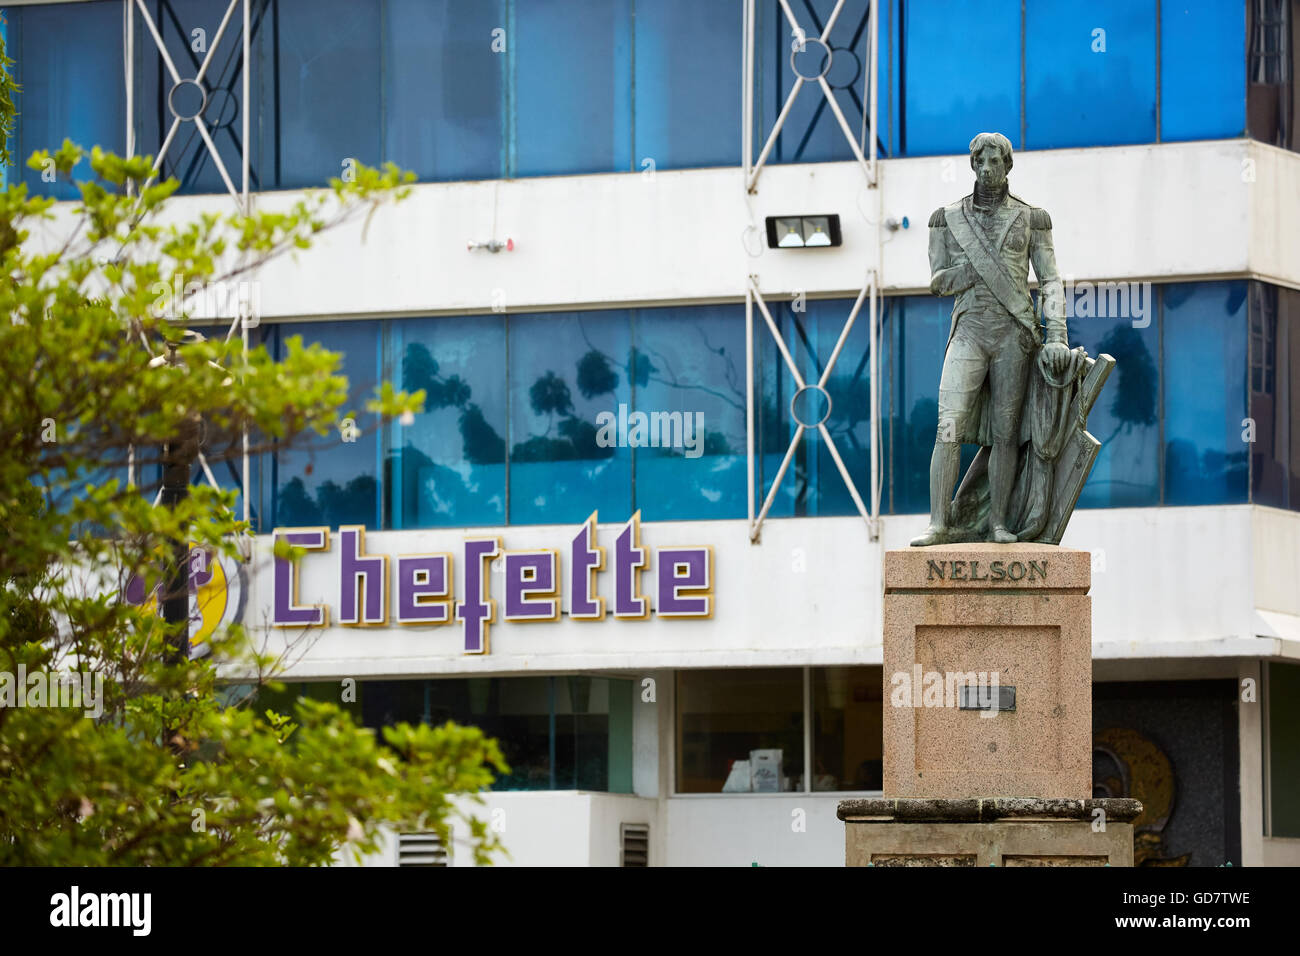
1275, 197
709, 830
559, 828
1276, 560
1164, 212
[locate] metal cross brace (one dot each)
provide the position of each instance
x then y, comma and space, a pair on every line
800, 79
197, 80
756, 297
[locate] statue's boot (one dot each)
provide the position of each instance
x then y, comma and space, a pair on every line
1002, 536
931, 535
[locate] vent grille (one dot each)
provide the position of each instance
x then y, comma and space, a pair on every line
634, 843
421, 849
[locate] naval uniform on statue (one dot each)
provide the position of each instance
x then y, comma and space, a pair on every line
1002, 386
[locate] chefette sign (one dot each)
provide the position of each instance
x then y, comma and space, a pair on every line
418, 590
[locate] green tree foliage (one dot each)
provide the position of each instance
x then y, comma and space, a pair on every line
178, 769
7, 110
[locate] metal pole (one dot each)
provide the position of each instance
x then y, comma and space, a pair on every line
873, 82
874, 364
247, 107
178, 459
747, 98
749, 399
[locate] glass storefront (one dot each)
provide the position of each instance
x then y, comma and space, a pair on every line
569, 732
742, 730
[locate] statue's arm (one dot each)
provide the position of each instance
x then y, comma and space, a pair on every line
946, 278
1043, 257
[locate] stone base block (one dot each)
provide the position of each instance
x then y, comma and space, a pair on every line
969, 625
1022, 832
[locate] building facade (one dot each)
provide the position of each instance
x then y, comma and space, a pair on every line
637, 532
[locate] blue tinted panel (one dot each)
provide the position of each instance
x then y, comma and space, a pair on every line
331, 481
962, 66
572, 87
450, 466
811, 132
1205, 392
918, 330
565, 369
1275, 395
1125, 417
690, 367
688, 83
1202, 82
68, 61
888, 76
443, 88
326, 98
1090, 73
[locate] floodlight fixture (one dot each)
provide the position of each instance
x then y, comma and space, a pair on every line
803, 232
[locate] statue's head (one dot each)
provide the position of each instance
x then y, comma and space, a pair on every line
990, 157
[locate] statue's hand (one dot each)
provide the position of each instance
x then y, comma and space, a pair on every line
1057, 356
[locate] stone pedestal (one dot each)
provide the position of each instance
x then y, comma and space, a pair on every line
988, 672
988, 716
882, 832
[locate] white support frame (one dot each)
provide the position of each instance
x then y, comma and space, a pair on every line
197, 79
868, 163
870, 291
242, 197
755, 297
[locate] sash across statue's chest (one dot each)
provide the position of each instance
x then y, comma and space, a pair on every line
989, 241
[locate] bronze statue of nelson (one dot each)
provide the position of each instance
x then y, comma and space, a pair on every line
981, 248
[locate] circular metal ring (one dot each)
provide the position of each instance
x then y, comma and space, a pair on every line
857, 68
810, 388
203, 102
826, 64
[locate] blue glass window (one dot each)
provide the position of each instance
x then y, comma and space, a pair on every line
918, 331
324, 97
449, 467
913, 341
1125, 418
1090, 73
1202, 83
565, 369
572, 86
962, 69
444, 88
334, 479
1204, 342
567, 732
689, 369
688, 82
1275, 395
812, 484
79, 97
